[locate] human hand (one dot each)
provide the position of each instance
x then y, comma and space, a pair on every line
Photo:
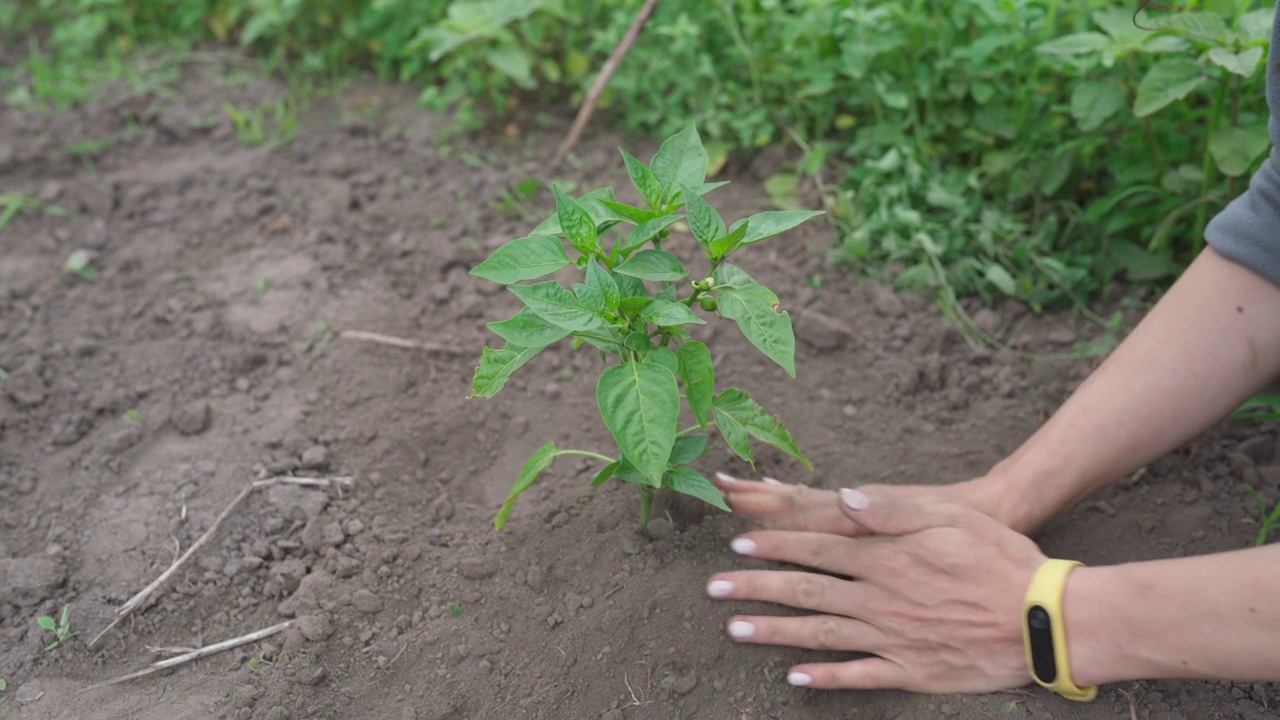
778, 506
937, 597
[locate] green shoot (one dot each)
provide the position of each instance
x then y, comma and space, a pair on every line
60, 628
1268, 520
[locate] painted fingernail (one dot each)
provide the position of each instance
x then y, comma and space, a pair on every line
799, 679
771, 481
854, 499
719, 588
741, 629
725, 478
743, 546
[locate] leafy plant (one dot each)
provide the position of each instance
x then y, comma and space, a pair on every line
274, 122
454, 608
11, 205
60, 628
1263, 406
80, 264
635, 306
4, 685
134, 415
1268, 520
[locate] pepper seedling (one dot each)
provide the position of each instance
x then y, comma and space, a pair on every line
635, 305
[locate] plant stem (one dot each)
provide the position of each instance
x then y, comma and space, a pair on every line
588, 453
646, 504
1207, 172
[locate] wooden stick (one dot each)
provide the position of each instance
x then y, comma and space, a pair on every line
145, 593
597, 88
203, 652
399, 342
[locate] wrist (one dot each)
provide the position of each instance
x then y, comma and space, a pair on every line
1098, 640
1025, 491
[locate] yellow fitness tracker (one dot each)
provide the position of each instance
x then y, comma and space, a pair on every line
1044, 634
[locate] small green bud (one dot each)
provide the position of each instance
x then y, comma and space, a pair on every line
708, 303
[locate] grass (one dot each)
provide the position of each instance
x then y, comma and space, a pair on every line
1268, 519
11, 205
61, 628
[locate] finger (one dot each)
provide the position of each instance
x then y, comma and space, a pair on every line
884, 513
851, 557
806, 591
865, 674
814, 632
729, 483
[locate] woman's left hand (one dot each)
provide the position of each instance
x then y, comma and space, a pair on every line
935, 594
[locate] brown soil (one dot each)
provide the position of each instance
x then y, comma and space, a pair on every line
370, 221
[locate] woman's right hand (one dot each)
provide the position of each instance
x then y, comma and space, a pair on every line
775, 505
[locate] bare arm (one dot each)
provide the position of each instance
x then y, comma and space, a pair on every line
1209, 617
1210, 343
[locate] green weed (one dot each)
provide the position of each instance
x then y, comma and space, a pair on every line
1264, 406
454, 608
80, 264
11, 205
272, 122
1268, 519
4, 685
629, 308
134, 415
60, 628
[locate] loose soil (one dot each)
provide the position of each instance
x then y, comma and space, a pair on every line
226, 274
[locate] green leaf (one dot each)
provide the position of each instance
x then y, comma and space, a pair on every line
755, 309
533, 467
496, 367
1143, 265
1077, 44
1207, 26
558, 306
653, 265
647, 231
590, 299
1243, 63
640, 404
725, 245
738, 416
1001, 279
690, 482
666, 357
512, 61
1234, 149
687, 449
1093, 102
705, 223
629, 212
666, 314
602, 282
681, 160
606, 473
576, 224
1256, 25
677, 200
765, 225
645, 181
527, 329
593, 203
523, 259
699, 376
639, 343
1167, 82
629, 287
46, 622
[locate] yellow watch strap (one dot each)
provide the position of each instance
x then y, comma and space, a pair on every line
1044, 634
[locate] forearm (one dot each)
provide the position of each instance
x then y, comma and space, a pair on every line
1208, 345
1211, 617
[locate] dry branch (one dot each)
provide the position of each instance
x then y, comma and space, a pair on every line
399, 342
203, 652
602, 80
145, 594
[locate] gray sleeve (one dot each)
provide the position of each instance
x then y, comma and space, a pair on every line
1247, 231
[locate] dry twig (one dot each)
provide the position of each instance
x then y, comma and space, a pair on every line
145, 594
203, 652
399, 342
606, 72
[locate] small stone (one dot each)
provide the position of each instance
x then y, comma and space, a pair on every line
409, 713
478, 568
442, 508
849, 410
25, 483
366, 602
560, 519
536, 579
685, 683
1061, 336
332, 534
315, 457
552, 391
354, 527
886, 302
987, 321
315, 627
660, 528
193, 418
948, 710
315, 676
28, 693
278, 713
630, 546
297, 503
25, 388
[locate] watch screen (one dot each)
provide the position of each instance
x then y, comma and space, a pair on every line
1040, 633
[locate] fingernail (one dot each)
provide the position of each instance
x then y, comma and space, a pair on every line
725, 478
771, 481
799, 679
743, 546
854, 499
719, 588
741, 629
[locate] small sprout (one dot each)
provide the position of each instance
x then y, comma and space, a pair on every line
454, 608
1009, 707
258, 660
134, 415
1268, 519
60, 628
79, 263
4, 685
260, 287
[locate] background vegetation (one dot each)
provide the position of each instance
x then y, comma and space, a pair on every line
1028, 148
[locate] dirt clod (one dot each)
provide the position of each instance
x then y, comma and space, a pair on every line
29, 581
660, 528
478, 568
315, 457
886, 302
25, 388
366, 602
193, 418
